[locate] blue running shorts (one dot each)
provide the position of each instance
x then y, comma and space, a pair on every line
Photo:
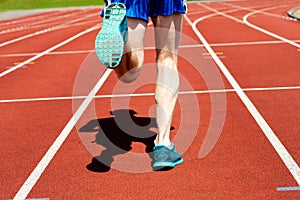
143, 9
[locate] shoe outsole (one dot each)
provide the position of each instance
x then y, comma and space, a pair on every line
163, 165
109, 43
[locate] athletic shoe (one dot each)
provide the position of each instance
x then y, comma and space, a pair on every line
165, 157
110, 41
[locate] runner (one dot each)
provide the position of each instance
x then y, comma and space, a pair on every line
120, 46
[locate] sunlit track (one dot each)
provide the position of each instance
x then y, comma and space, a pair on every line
58, 27
227, 8
245, 19
56, 97
49, 21
44, 18
48, 50
152, 48
148, 94
35, 175
262, 12
13, 22
52, 24
286, 157
222, 13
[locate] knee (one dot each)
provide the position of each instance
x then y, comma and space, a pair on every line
167, 59
135, 59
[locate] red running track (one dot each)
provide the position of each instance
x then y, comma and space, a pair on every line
236, 121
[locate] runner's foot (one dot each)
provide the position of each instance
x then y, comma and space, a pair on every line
110, 41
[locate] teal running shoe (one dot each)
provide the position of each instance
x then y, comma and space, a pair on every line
165, 157
110, 41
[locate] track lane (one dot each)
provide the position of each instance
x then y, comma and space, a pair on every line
27, 34
49, 78
279, 26
232, 169
265, 65
265, 191
39, 25
62, 43
283, 115
295, 172
27, 132
15, 22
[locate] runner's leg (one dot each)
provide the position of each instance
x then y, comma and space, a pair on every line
167, 36
133, 57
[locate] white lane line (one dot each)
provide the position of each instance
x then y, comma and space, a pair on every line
250, 43
245, 19
31, 18
263, 12
54, 24
50, 53
222, 13
36, 22
44, 162
49, 50
291, 188
285, 156
148, 94
53, 28
152, 48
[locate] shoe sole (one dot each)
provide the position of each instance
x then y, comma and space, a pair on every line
166, 164
109, 43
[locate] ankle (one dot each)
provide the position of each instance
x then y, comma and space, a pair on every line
166, 143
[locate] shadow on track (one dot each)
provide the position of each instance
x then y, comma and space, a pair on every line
117, 133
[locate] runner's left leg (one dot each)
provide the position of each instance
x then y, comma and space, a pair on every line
167, 36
